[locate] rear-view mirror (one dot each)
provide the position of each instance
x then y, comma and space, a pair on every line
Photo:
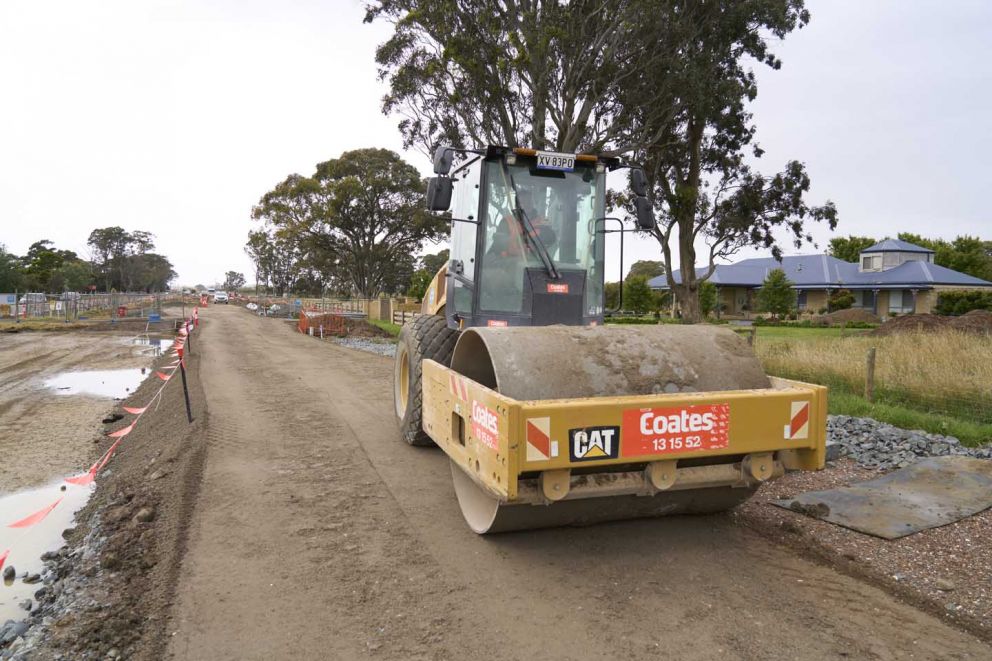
645, 213
443, 158
638, 182
439, 193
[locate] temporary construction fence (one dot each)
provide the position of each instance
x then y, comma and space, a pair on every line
318, 323
400, 317
72, 306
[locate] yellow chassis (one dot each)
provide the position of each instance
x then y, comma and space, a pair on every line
520, 451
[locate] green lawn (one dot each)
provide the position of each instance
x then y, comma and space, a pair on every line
388, 326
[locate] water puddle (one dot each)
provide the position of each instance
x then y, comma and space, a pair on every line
156, 345
26, 545
116, 384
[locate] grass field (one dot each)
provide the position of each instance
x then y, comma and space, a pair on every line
388, 326
939, 382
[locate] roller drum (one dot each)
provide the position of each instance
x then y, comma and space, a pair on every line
563, 362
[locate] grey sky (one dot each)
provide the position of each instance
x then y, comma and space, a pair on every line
175, 116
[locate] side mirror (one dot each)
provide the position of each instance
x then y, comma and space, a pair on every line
645, 213
443, 156
638, 182
439, 193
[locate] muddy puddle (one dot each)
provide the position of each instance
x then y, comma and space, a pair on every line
115, 384
26, 545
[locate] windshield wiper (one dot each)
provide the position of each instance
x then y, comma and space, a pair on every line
528, 228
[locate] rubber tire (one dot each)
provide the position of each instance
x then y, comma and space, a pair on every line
426, 337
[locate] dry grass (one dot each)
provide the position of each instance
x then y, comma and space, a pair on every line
949, 372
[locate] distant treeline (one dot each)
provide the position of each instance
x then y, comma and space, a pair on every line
119, 260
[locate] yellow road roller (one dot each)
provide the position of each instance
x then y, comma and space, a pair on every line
550, 417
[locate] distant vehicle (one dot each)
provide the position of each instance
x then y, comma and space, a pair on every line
70, 296
221, 297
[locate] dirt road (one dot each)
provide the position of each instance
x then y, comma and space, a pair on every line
319, 535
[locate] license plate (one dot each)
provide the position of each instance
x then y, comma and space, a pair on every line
549, 160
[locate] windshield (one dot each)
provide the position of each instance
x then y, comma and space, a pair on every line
561, 208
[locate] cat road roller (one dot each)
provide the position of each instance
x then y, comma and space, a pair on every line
551, 418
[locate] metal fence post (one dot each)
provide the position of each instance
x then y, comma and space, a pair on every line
870, 375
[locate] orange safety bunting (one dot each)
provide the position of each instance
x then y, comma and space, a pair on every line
37, 517
164, 377
85, 478
107, 455
3, 557
135, 411
120, 433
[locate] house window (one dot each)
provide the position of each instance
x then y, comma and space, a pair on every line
871, 262
895, 300
801, 299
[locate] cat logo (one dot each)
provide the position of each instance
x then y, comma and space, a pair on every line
592, 443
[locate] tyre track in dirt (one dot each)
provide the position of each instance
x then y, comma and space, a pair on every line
319, 534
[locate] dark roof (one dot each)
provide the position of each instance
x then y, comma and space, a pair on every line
895, 245
824, 271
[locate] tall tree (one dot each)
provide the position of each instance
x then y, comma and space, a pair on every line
538, 74
664, 81
11, 275
233, 281
967, 254
704, 189
848, 248
647, 268
364, 210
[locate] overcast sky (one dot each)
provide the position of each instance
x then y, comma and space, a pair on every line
176, 116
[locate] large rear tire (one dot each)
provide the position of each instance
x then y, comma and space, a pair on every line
426, 337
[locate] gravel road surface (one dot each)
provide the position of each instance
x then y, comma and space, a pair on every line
318, 534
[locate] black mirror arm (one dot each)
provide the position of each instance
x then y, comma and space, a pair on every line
622, 231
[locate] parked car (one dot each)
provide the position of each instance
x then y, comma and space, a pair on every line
221, 297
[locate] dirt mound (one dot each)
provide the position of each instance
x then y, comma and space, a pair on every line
841, 317
362, 328
976, 321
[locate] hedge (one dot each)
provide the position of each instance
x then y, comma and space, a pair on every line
960, 302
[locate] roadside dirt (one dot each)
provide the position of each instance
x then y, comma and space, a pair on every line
946, 570
318, 534
44, 435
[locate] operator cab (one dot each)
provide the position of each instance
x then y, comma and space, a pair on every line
527, 239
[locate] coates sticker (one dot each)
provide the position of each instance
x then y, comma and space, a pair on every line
496, 322
557, 287
591, 443
675, 429
798, 427
485, 425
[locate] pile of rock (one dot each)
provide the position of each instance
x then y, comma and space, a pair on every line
875, 444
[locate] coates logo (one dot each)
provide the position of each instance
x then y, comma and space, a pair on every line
676, 429
557, 287
485, 425
591, 443
498, 323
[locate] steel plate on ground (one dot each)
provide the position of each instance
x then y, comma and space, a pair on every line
931, 493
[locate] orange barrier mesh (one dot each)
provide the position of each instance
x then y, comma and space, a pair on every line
319, 324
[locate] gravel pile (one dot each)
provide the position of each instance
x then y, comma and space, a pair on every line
380, 347
878, 445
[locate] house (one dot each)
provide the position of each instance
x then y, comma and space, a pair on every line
891, 276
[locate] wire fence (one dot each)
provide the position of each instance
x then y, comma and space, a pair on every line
72, 306
936, 373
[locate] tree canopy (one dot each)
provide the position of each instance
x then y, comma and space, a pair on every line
663, 82
848, 248
776, 294
359, 219
124, 260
